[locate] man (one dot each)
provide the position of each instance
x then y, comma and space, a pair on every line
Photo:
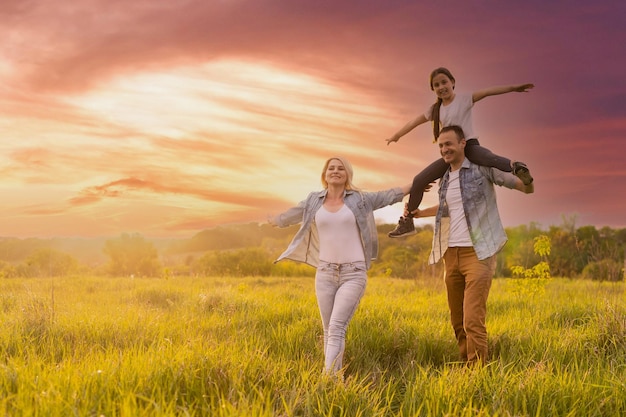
468, 235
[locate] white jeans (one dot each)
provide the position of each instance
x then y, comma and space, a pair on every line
339, 288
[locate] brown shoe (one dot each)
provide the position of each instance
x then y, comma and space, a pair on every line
521, 171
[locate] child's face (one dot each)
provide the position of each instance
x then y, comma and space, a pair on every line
443, 87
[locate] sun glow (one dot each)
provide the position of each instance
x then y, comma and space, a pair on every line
213, 97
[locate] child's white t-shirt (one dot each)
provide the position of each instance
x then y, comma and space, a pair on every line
459, 113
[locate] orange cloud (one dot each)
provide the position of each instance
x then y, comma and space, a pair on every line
152, 117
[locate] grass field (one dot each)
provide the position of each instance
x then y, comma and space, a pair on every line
252, 347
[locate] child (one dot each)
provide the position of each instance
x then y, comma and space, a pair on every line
452, 109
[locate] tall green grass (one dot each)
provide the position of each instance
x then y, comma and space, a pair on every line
252, 347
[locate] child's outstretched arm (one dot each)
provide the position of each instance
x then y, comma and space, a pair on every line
407, 128
495, 91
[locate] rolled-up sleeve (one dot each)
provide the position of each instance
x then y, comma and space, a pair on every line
501, 178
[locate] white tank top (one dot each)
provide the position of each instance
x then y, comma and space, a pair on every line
340, 241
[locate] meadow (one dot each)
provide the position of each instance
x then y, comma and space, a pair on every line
219, 346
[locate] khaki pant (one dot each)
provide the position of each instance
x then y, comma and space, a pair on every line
468, 281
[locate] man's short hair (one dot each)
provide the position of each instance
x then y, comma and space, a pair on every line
456, 129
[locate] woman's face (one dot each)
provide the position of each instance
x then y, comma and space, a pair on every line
443, 87
336, 173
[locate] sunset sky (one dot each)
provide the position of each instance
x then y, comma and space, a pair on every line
166, 118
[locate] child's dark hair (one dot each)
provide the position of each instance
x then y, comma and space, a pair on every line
437, 105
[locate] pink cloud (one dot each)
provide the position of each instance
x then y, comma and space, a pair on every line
373, 57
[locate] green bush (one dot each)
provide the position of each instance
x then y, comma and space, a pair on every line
604, 270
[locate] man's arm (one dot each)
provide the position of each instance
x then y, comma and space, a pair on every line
507, 179
527, 189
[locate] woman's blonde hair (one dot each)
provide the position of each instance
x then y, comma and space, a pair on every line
349, 172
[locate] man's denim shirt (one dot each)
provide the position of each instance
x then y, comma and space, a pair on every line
305, 245
480, 207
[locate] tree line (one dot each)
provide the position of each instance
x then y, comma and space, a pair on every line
250, 249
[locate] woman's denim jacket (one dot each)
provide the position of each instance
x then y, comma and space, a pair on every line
305, 245
480, 208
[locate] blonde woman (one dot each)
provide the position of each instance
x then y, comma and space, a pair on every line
338, 237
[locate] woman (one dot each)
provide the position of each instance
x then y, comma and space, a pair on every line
449, 110
338, 237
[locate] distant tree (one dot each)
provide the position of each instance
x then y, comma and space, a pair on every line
519, 249
620, 236
604, 270
232, 236
241, 262
7, 270
566, 258
48, 262
405, 258
15, 250
132, 255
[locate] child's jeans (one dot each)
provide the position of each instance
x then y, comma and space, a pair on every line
339, 288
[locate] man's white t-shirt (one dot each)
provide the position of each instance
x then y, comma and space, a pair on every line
459, 232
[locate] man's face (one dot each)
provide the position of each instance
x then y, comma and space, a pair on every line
451, 148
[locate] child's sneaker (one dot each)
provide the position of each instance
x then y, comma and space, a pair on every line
405, 227
521, 171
